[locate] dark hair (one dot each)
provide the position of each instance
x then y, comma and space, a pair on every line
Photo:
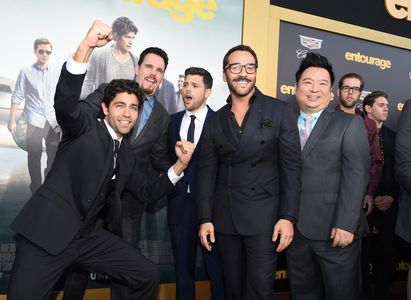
207, 78
239, 48
351, 75
117, 86
315, 60
370, 98
42, 41
123, 25
154, 50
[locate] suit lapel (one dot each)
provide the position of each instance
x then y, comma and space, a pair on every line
317, 131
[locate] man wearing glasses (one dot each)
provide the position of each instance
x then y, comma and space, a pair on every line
36, 85
248, 195
349, 90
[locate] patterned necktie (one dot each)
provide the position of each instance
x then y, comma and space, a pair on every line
115, 152
305, 130
190, 132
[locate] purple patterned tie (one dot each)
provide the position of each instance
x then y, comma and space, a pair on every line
305, 130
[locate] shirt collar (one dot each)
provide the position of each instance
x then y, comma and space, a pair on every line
316, 115
200, 115
112, 132
38, 68
150, 100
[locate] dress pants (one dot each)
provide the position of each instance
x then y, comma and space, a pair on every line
249, 263
35, 271
34, 138
319, 271
185, 241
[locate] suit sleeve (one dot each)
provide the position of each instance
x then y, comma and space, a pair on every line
354, 175
68, 111
160, 156
290, 166
207, 172
95, 99
403, 148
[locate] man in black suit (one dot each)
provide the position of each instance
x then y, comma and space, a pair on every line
383, 217
324, 258
249, 190
182, 203
58, 226
403, 176
149, 145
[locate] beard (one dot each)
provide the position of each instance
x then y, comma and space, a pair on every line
238, 91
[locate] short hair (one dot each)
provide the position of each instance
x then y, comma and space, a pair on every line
315, 60
207, 78
351, 75
41, 41
239, 48
117, 86
154, 50
123, 25
370, 98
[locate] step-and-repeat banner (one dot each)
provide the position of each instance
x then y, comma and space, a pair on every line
192, 32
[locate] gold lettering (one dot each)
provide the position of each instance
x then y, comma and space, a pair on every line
400, 105
369, 60
281, 274
398, 9
287, 89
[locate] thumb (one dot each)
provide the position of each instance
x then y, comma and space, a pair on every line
333, 233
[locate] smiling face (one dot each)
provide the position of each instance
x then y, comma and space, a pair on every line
194, 93
313, 90
122, 113
242, 84
150, 73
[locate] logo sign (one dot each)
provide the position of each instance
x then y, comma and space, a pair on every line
310, 43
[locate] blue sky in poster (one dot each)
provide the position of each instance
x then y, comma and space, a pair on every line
198, 42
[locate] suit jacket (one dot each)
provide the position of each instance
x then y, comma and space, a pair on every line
403, 172
177, 199
245, 189
335, 171
76, 183
166, 96
150, 148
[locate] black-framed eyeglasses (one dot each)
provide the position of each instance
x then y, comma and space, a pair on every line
349, 89
237, 68
42, 52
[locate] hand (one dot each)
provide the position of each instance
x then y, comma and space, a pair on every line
98, 35
57, 129
184, 151
342, 238
285, 229
383, 202
368, 204
206, 230
11, 126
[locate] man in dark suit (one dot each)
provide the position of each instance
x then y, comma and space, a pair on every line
403, 176
58, 226
149, 145
182, 203
249, 190
383, 255
324, 258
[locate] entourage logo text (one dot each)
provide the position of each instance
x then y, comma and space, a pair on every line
369, 60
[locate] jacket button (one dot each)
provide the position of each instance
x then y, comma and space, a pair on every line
252, 188
89, 200
253, 165
262, 142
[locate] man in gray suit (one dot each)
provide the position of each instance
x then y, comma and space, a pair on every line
403, 175
324, 258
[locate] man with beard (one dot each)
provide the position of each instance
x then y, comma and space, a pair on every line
248, 195
349, 90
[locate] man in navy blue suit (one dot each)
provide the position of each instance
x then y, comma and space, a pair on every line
182, 204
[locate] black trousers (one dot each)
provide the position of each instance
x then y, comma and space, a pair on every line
34, 138
35, 271
319, 271
249, 263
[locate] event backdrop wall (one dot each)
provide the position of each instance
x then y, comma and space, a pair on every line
192, 32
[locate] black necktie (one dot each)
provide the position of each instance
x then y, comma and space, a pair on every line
116, 146
190, 132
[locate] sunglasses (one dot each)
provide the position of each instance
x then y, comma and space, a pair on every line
42, 52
